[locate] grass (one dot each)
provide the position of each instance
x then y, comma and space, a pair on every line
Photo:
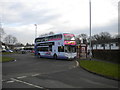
6, 59
100, 67
5, 53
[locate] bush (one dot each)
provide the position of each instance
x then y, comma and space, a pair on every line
110, 55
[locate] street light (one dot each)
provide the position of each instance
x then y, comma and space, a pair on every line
90, 30
35, 30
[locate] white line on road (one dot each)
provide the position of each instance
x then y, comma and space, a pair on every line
22, 77
77, 63
35, 75
36, 86
9, 81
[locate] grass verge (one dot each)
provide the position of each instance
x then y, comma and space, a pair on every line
6, 59
102, 68
5, 53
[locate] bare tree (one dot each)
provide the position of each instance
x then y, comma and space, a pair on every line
19, 44
14, 40
9, 39
1, 33
96, 37
101, 36
45, 34
27, 44
50, 33
105, 35
84, 37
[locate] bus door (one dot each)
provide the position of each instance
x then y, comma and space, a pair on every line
60, 50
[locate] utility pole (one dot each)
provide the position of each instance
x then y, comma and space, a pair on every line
90, 29
35, 30
0, 30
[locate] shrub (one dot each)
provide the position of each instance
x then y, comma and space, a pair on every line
110, 55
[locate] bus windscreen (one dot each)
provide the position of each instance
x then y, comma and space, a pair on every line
69, 37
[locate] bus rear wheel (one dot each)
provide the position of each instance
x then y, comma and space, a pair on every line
55, 56
38, 55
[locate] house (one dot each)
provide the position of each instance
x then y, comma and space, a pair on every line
113, 44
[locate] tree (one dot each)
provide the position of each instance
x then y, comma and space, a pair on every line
101, 36
96, 37
1, 33
27, 44
84, 37
78, 41
19, 44
50, 33
45, 34
9, 39
105, 36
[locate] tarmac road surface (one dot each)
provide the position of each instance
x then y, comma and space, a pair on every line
31, 72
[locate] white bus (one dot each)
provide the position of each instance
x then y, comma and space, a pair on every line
57, 46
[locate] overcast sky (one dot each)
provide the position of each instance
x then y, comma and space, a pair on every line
19, 16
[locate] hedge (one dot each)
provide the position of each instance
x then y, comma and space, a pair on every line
109, 55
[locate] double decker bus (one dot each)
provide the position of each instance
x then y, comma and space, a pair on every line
57, 46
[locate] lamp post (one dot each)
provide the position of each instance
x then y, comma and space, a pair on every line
90, 29
35, 30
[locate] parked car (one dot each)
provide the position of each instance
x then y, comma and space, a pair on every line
3, 50
23, 51
32, 51
9, 51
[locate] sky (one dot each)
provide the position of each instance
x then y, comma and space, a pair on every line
19, 16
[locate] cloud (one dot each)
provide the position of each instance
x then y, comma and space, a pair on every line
22, 13
19, 17
112, 28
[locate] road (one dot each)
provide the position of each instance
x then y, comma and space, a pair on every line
28, 71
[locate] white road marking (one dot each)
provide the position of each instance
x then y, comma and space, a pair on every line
36, 86
77, 63
22, 77
35, 75
9, 81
